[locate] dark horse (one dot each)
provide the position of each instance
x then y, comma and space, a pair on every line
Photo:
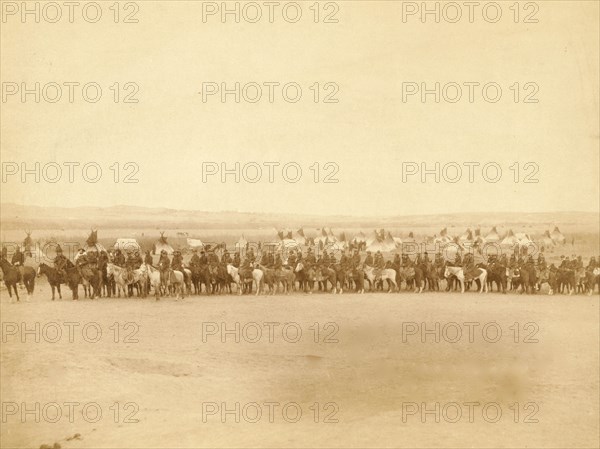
528, 278
12, 276
71, 278
497, 274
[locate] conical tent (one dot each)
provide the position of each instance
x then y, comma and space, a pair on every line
372, 238
492, 236
380, 242
241, 244
510, 240
390, 242
299, 237
547, 241
467, 236
331, 236
162, 245
92, 243
557, 236
322, 238
443, 238
29, 247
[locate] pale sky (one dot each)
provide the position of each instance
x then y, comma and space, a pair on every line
368, 134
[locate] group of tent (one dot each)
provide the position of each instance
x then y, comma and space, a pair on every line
378, 240
509, 240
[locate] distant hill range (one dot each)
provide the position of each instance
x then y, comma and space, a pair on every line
15, 216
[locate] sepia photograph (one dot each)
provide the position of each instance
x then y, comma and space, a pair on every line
300, 224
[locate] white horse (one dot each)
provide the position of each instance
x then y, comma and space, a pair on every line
459, 273
387, 274
235, 275
154, 277
257, 277
120, 276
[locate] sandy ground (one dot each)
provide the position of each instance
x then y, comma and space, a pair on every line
365, 369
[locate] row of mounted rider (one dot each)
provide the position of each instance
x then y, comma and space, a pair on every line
96, 272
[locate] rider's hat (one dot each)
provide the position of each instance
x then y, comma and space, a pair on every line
59, 249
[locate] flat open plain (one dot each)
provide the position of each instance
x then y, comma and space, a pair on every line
366, 367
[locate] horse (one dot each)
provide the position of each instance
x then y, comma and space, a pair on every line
272, 278
199, 275
324, 275
340, 275
528, 278
125, 279
546, 276
93, 276
387, 274
188, 280
356, 276
174, 279
12, 276
411, 276
565, 277
154, 278
514, 278
235, 276
54, 279
304, 277
477, 274
432, 276
497, 273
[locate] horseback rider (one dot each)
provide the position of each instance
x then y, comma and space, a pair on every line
213, 259
325, 259
5, 253
119, 259
18, 260
379, 263
80, 252
418, 259
369, 259
355, 262
92, 258
541, 261
426, 258
246, 268
236, 259
458, 260
60, 262
310, 258
291, 260
148, 258
164, 265
226, 257
177, 264
278, 264
195, 260
344, 260
203, 258
81, 262
131, 264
